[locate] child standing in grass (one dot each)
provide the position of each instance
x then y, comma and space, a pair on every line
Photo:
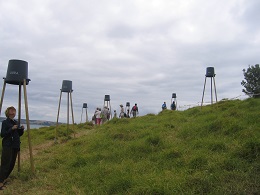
10, 133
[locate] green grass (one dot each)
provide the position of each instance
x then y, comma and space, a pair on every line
213, 150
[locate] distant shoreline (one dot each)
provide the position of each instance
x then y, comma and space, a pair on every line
34, 122
32, 126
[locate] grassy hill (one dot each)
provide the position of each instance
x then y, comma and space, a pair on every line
213, 150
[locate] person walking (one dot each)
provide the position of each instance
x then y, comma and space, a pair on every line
115, 115
128, 113
94, 119
98, 116
10, 133
164, 107
134, 110
173, 106
122, 112
105, 115
108, 114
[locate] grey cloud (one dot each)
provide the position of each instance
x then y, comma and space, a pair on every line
135, 51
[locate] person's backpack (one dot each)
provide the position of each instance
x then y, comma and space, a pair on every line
134, 108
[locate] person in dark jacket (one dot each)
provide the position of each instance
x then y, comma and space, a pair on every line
164, 107
10, 133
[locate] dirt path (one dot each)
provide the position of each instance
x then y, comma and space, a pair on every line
38, 148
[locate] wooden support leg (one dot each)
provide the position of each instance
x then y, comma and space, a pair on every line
72, 113
81, 116
86, 114
215, 89
203, 91
68, 111
19, 123
110, 109
2, 97
57, 122
211, 90
28, 126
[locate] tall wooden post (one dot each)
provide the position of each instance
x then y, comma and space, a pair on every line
86, 114
28, 125
72, 113
215, 88
19, 123
203, 91
2, 96
57, 122
68, 111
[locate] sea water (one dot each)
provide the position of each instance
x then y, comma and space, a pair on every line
32, 126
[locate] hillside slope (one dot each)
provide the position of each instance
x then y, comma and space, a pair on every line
213, 150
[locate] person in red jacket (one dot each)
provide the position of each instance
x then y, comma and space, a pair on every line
10, 133
134, 110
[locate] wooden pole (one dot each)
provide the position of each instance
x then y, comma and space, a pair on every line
2, 97
211, 90
81, 115
57, 122
28, 126
86, 114
215, 89
19, 123
110, 109
68, 110
203, 91
72, 113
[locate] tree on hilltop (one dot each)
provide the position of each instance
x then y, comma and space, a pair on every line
252, 81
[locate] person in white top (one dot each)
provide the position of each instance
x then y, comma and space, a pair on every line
98, 116
122, 113
105, 114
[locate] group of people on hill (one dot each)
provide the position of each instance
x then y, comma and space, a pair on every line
173, 106
128, 113
103, 115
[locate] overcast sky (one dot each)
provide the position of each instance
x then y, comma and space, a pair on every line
139, 51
